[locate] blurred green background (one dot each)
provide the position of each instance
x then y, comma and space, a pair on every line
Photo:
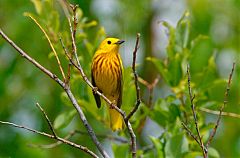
203, 33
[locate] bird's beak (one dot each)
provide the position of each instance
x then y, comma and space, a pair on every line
120, 42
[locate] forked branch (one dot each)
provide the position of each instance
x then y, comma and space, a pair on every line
54, 136
198, 138
66, 89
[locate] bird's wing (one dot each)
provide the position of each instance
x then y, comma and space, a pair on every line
96, 96
120, 84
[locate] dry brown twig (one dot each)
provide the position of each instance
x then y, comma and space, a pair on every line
54, 136
198, 138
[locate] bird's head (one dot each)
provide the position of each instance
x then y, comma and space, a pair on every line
110, 45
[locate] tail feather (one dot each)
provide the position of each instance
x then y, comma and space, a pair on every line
116, 120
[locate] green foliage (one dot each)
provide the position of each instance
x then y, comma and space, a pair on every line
158, 124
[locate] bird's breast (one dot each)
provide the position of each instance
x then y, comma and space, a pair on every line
107, 73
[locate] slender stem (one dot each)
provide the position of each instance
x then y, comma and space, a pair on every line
135, 78
214, 112
48, 121
74, 132
190, 133
194, 114
50, 43
222, 107
85, 149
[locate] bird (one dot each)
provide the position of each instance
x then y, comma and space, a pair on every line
107, 78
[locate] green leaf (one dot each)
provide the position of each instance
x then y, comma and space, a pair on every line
64, 119
213, 153
161, 69
192, 154
90, 24
174, 112
175, 70
201, 51
160, 113
183, 30
65, 99
37, 5
176, 146
171, 48
121, 151
158, 146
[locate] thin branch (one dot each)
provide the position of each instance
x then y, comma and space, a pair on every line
135, 78
194, 113
104, 136
190, 133
50, 43
222, 107
150, 87
66, 89
214, 112
85, 149
74, 132
34, 62
48, 121
53, 145
73, 34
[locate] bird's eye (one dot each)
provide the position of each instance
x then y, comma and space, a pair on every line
109, 42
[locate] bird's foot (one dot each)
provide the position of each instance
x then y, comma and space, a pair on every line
94, 90
112, 104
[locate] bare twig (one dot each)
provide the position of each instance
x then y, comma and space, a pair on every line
190, 133
222, 107
194, 113
73, 36
135, 78
220, 113
150, 87
53, 145
69, 64
214, 112
74, 132
50, 43
66, 89
48, 121
54, 136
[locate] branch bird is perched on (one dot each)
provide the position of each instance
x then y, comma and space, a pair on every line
107, 77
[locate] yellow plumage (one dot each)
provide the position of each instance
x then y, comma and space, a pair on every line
107, 77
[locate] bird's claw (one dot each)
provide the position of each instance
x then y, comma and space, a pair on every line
95, 89
112, 106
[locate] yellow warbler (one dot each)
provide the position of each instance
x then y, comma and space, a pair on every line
107, 77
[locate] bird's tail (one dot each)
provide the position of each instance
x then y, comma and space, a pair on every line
116, 120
